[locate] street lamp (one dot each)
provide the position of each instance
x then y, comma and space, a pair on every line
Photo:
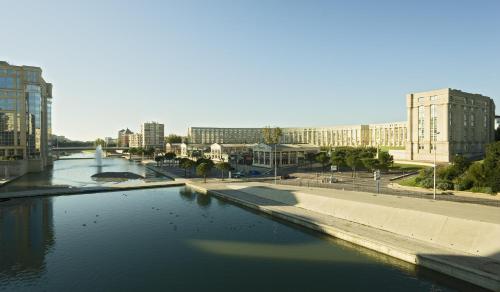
435, 163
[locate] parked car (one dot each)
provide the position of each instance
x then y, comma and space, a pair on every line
237, 175
254, 172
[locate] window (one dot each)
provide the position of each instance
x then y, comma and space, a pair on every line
434, 97
7, 82
421, 99
8, 104
472, 120
421, 129
433, 123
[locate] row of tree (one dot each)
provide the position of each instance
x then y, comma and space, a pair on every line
203, 166
463, 174
355, 158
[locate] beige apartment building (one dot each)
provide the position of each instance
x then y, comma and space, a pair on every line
448, 120
153, 135
135, 140
25, 119
123, 139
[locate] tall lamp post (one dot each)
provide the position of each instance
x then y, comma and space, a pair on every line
435, 162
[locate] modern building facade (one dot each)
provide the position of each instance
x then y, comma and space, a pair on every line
25, 117
452, 121
153, 135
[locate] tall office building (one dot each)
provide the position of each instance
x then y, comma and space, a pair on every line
25, 116
153, 135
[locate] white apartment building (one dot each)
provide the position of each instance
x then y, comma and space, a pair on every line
135, 140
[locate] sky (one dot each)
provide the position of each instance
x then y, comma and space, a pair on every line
235, 63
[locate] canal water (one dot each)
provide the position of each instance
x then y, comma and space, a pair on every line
76, 171
174, 239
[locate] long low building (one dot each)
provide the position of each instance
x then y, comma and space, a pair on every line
441, 123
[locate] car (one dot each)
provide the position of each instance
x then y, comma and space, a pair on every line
237, 175
254, 172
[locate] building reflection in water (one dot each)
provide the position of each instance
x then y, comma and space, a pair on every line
26, 235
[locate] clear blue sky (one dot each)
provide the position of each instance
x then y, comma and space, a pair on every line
249, 63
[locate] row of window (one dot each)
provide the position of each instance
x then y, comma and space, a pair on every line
8, 104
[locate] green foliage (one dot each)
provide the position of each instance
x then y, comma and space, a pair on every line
272, 135
172, 138
486, 190
99, 141
322, 158
385, 160
223, 166
492, 166
444, 185
203, 169
169, 156
201, 160
370, 163
186, 164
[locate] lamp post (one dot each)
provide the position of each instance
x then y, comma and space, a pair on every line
435, 162
275, 166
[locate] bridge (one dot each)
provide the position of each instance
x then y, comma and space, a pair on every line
80, 148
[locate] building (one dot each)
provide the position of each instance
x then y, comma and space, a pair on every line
124, 137
459, 123
447, 122
204, 135
153, 135
497, 122
174, 148
287, 155
135, 140
223, 152
25, 118
194, 150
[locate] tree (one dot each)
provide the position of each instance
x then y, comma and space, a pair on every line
99, 141
461, 163
310, 157
272, 135
132, 151
370, 163
172, 138
158, 159
223, 166
203, 169
169, 156
322, 158
338, 157
186, 163
354, 162
385, 160
492, 166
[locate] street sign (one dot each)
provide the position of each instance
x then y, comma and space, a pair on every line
376, 175
333, 168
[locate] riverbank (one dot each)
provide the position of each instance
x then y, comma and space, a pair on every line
452, 238
88, 190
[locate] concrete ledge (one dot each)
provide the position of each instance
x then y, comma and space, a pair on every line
86, 190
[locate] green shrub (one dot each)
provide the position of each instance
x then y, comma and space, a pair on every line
486, 190
463, 183
427, 183
444, 185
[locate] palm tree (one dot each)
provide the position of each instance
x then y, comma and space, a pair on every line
169, 156
186, 164
322, 158
203, 169
223, 166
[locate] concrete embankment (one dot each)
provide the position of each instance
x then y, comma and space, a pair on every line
460, 240
87, 190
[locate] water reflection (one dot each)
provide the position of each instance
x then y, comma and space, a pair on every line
26, 235
77, 173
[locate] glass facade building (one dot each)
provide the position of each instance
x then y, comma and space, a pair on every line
25, 114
